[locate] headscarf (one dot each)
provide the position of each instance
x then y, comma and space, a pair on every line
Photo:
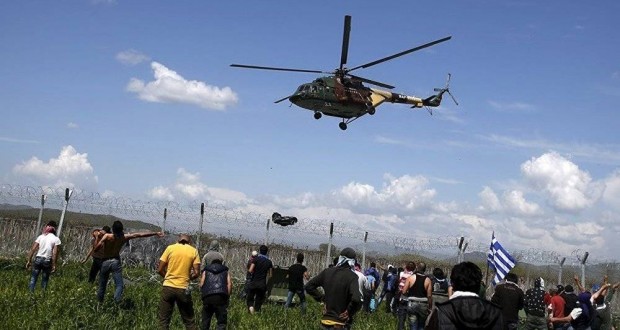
344, 260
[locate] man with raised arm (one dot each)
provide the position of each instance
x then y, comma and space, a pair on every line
111, 261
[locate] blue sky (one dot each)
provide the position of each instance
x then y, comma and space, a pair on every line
137, 99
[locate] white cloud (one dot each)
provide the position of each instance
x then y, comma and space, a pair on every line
607, 154
514, 201
14, 140
170, 87
578, 233
405, 193
72, 125
189, 185
611, 195
161, 193
566, 187
70, 169
108, 194
131, 57
386, 140
514, 106
490, 201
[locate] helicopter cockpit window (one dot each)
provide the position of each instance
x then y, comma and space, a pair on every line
313, 89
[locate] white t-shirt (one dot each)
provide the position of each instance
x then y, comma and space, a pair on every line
361, 281
46, 245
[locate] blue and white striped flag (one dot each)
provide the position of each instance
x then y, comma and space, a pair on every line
500, 260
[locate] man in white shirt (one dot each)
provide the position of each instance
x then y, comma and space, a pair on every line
46, 248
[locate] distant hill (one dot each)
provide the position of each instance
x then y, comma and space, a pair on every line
71, 218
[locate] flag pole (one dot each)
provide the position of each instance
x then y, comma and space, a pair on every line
486, 280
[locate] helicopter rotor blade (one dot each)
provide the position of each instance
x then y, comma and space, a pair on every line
373, 82
452, 96
401, 53
275, 68
345, 41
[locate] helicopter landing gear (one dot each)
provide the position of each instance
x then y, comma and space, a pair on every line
343, 126
371, 111
317, 115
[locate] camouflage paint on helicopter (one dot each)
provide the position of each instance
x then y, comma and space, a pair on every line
344, 96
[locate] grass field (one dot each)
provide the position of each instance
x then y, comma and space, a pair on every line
70, 303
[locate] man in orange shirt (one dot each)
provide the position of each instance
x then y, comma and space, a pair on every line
179, 264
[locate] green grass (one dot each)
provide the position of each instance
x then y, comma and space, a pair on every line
70, 303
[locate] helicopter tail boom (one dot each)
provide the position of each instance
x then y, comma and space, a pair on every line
380, 96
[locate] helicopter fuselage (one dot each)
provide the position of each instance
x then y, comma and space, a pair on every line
345, 98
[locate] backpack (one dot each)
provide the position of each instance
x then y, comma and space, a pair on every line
440, 286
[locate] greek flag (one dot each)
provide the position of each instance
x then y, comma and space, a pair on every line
500, 260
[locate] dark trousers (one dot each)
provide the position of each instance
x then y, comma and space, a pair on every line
183, 299
256, 296
94, 269
389, 302
221, 315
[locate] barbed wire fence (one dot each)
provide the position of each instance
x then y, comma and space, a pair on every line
242, 231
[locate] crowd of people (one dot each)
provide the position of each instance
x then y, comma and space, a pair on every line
417, 299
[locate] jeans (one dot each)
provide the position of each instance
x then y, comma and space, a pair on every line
302, 299
110, 266
413, 311
40, 265
183, 299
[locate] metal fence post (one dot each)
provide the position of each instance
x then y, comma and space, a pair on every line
560, 272
163, 226
68, 193
364, 251
202, 215
38, 227
329, 245
459, 246
583, 269
267, 233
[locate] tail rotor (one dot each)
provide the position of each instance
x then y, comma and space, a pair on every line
446, 90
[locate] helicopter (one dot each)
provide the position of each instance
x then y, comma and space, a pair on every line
343, 95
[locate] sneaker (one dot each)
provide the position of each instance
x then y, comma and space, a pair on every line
251, 309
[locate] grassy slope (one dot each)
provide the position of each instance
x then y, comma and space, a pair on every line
70, 303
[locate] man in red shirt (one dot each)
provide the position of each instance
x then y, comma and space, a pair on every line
557, 307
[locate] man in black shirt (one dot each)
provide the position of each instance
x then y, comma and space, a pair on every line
260, 268
296, 275
342, 296
511, 298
